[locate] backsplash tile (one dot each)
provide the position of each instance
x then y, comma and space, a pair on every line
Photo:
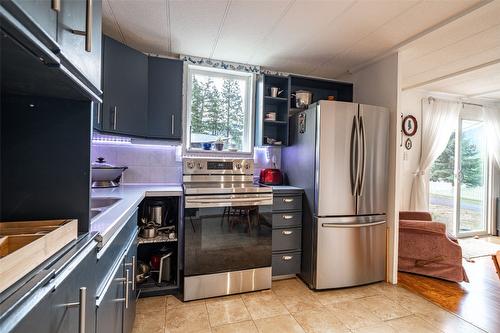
163, 164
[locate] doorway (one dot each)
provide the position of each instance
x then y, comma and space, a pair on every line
458, 184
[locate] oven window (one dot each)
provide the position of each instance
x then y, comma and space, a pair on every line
227, 239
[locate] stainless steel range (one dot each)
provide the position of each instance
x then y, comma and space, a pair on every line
227, 228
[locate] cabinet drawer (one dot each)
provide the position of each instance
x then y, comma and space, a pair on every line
287, 239
287, 203
112, 251
286, 220
286, 263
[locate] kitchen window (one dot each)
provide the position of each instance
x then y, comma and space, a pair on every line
219, 111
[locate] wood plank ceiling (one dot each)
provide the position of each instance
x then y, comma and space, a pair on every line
462, 57
321, 38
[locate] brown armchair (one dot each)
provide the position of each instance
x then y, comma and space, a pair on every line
425, 248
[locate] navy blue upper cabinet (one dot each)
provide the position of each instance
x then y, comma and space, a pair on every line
165, 98
79, 37
42, 12
125, 86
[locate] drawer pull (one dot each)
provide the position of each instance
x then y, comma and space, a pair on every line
81, 304
287, 200
286, 258
287, 232
287, 217
133, 264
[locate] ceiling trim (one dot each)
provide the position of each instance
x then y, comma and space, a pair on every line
410, 40
447, 76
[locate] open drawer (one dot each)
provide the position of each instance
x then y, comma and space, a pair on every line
26, 244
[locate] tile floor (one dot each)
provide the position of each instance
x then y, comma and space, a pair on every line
291, 307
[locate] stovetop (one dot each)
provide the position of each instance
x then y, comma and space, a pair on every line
225, 188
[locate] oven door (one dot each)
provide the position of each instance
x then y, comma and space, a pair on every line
225, 233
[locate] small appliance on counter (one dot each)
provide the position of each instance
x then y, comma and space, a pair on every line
106, 175
271, 176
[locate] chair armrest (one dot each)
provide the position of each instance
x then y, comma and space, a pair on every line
423, 226
420, 216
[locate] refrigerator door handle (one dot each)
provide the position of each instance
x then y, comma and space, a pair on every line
363, 156
354, 155
351, 225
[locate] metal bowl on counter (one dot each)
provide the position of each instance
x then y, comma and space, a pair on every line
106, 175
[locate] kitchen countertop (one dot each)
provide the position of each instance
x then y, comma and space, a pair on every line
110, 220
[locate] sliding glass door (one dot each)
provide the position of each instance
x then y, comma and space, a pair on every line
471, 179
458, 181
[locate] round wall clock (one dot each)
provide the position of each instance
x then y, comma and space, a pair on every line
410, 125
408, 144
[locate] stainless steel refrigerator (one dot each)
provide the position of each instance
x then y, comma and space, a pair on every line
339, 154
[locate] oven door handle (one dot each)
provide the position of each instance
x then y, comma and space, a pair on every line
199, 203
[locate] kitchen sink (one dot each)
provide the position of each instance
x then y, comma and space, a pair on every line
103, 202
94, 213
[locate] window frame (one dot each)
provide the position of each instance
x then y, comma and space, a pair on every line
249, 104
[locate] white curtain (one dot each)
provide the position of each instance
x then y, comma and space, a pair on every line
439, 119
492, 121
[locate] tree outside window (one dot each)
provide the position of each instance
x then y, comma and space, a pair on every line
219, 109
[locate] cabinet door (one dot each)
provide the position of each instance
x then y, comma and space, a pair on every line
165, 98
109, 314
81, 50
37, 319
125, 89
67, 298
129, 265
42, 13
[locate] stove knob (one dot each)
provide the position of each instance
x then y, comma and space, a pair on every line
247, 166
238, 165
200, 165
190, 164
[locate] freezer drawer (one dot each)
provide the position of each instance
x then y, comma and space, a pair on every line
350, 252
287, 239
286, 263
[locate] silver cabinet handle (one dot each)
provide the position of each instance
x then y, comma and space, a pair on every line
127, 276
56, 5
287, 200
287, 217
88, 26
351, 225
287, 232
286, 258
82, 304
133, 264
172, 123
98, 114
115, 112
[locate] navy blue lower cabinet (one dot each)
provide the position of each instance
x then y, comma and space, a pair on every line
287, 230
109, 313
129, 271
70, 305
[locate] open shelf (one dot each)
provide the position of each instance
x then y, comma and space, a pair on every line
276, 100
161, 238
151, 287
275, 122
275, 129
